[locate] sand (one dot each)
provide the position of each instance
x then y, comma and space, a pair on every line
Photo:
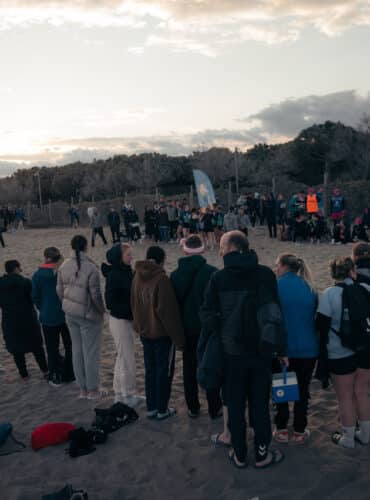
170, 460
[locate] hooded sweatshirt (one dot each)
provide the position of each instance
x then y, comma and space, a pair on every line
154, 306
190, 281
118, 284
44, 296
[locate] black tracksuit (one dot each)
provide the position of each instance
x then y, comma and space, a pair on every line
241, 303
190, 280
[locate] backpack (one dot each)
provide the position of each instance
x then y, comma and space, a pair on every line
5, 433
354, 331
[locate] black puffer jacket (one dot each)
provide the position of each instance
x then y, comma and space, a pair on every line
118, 284
242, 303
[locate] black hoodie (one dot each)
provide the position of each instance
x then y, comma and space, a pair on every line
118, 284
242, 304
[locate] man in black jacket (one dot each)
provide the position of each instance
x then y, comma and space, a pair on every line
241, 303
190, 281
114, 223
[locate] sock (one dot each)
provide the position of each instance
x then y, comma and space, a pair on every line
348, 438
363, 434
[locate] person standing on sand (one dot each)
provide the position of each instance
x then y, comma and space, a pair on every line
119, 276
190, 280
21, 329
52, 318
349, 370
241, 305
78, 288
96, 222
114, 223
157, 320
298, 302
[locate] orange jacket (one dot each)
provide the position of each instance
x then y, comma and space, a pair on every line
312, 204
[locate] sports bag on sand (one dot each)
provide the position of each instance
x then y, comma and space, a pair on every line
6, 433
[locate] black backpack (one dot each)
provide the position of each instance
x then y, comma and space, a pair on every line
354, 330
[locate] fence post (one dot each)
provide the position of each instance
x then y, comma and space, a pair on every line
28, 211
191, 197
274, 186
50, 214
326, 187
229, 196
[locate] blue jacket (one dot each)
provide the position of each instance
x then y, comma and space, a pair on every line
45, 297
299, 303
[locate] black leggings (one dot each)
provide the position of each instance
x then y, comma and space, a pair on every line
58, 365
303, 368
190, 364
2, 240
100, 232
20, 361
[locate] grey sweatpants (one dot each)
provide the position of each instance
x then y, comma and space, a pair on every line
86, 338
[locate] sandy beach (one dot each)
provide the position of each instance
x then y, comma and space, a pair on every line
173, 460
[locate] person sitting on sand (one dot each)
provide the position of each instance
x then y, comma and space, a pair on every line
119, 276
249, 333
190, 280
78, 288
21, 329
52, 318
157, 320
349, 370
298, 301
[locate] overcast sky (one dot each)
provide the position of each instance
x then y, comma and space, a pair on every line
82, 79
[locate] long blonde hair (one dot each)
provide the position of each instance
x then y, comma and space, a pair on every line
298, 266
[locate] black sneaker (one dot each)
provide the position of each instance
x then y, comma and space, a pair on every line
193, 414
55, 380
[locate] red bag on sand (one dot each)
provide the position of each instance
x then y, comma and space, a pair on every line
50, 435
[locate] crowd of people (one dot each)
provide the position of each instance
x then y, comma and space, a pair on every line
299, 219
239, 325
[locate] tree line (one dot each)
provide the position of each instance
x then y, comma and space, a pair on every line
340, 152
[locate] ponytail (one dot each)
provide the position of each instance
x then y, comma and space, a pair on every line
78, 244
298, 266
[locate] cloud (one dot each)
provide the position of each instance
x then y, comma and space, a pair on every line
290, 116
207, 26
62, 151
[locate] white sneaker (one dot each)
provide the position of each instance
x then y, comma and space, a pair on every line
133, 401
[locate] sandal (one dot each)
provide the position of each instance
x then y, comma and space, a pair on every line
215, 439
301, 437
277, 457
281, 436
171, 412
232, 458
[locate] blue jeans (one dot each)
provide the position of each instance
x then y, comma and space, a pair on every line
163, 232
159, 361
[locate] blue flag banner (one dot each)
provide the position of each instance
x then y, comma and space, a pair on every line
206, 195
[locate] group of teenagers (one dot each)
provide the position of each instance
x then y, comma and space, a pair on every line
262, 320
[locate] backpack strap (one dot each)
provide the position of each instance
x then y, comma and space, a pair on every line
343, 286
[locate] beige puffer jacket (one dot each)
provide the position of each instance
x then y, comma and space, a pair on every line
80, 295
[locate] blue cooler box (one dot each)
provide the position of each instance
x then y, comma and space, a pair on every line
285, 387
